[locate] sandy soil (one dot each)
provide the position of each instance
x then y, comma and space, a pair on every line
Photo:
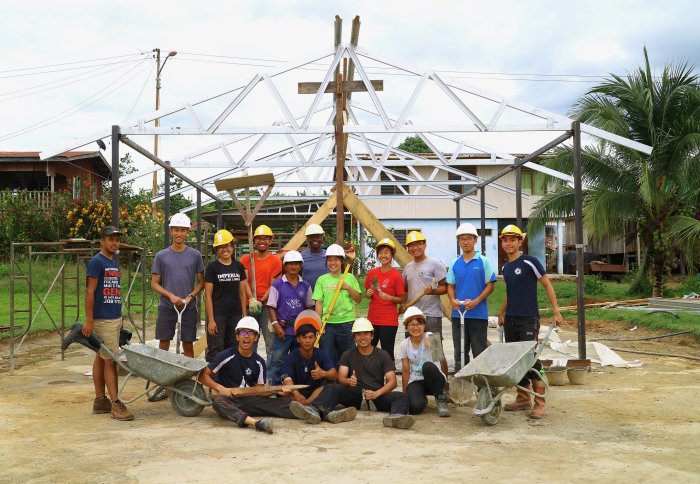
626, 425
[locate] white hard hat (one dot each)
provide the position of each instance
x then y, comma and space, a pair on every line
248, 322
335, 250
362, 324
467, 229
292, 256
314, 229
412, 312
180, 220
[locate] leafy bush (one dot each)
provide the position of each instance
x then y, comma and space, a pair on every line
594, 285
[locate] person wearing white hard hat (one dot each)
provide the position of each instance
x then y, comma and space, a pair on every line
470, 281
314, 255
420, 374
177, 274
240, 367
268, 268
338, 312
289, 296
365, 373
224, 289
384, 289
424, 278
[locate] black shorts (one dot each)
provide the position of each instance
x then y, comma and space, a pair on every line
167, 321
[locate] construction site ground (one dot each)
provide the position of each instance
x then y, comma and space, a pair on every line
623, 425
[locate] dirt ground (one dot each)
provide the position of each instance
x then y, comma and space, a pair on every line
626, 425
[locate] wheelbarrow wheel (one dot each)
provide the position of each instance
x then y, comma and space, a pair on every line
183, 404
483, 399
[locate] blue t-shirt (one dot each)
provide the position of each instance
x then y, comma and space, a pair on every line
521, 276
108, 295
470, 279
235, 371
178, 272
289, 301
314, 266
299, 369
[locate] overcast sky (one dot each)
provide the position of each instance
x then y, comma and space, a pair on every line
49, 96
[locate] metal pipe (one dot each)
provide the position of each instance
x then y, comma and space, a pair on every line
483, 220
12, 308
166, 210
458, 217
115, 175
519, 197
199, 221
578, 213
219, 216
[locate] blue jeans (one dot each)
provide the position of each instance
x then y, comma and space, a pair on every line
266, 336
275, 359
336, 340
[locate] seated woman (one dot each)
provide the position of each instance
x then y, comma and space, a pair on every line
420, 374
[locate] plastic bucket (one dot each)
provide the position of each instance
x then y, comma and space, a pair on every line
577, 376
556, 375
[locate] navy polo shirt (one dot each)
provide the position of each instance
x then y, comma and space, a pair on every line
521, 276
235, 371
299, 369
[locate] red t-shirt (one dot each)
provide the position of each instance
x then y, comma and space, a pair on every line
381, 312
265, 270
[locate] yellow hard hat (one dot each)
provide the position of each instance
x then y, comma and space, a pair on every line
512, 230
263, 230
386, 242
223, 237
414, 236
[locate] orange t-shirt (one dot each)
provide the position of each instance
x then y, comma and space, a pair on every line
265, 270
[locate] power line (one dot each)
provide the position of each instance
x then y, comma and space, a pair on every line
27, 74
71, 63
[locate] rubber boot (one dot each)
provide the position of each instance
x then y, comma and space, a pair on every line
522, 401
540, 409
75, 335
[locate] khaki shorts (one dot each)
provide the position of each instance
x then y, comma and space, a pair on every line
108, 331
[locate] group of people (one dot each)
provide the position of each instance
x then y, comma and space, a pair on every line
303, 306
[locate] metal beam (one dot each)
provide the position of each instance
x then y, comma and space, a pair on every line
578, 214
115, 176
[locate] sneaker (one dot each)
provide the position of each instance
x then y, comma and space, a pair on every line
120, 412
342, 415
304, 412
161, 393
264, 425
399, 421
101, 405
442, 408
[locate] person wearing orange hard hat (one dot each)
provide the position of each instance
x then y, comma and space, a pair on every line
267, 269
224, 291
306, 365
520, 316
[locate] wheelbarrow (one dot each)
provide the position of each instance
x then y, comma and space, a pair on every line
500, 367
171, 371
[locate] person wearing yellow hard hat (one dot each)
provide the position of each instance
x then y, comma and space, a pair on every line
424, 283
224, 289
365, 373
268, 268
520, 315
384, 289
314, 255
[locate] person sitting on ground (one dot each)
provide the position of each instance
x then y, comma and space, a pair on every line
365, 373
288, 297
420, 375
236, 369
306, 365
384, 289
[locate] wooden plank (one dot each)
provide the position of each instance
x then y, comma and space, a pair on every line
317, 218
573, 363
348, 86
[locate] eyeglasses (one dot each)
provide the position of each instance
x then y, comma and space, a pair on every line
224, 247
415, 324
244, 332
466, 239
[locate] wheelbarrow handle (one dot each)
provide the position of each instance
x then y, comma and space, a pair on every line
540, 347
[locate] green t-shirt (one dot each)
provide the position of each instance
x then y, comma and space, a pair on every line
344, 308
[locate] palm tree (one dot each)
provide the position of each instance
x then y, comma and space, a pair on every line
627, 193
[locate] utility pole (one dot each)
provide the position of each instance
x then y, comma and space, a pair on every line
159, 69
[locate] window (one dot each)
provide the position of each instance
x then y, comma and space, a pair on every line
469, 170
394, 189
533, 182
76, 187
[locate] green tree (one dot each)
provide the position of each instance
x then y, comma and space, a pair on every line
628, 193
414, 144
